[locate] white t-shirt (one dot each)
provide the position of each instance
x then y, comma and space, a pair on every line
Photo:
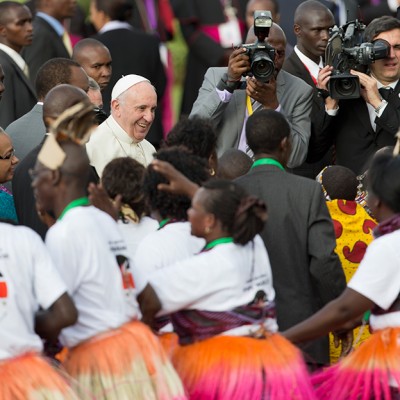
378, 278
28, 280
221, 279
85, 246
162, 248
133, 233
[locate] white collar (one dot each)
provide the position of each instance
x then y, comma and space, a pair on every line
312, 67
112, 25
16, 57
118, 131
380, 85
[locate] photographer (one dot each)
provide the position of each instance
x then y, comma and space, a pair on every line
359, 127
229, 98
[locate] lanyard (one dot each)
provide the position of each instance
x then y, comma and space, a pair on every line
167, 221
249, 106
267, 161
217, 242
163, 223
312, 77
82, 201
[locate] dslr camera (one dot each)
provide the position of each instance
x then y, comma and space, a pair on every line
261, 54
346, 50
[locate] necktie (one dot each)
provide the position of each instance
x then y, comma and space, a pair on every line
67, 42
26, 70
151, 14
385, 92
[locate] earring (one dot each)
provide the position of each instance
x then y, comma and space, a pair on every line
212, 171
207, 230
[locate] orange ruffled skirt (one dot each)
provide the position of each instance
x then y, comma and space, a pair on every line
125, 363
30, 376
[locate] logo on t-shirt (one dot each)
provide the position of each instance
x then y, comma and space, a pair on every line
127, 277
3, 295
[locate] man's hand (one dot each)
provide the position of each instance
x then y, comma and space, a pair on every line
177, 182
345, 338
324, 76
369, 89
238, 64
99, 198
264, 93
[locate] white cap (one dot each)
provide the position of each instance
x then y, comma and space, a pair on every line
125, 83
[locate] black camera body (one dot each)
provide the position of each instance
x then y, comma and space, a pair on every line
261, 54
346, 50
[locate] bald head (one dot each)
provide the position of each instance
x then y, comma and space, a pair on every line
307, 9
76, 163
7, 10
61, 98
84, 44
95, 59
54, 188
233, 163
275, 33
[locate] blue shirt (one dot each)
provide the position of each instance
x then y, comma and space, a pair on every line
7, 208
55, 24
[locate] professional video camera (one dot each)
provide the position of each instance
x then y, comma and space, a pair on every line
345, 51
261, 54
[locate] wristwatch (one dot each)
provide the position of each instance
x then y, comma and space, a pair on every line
380, 106
322, 93
226, 84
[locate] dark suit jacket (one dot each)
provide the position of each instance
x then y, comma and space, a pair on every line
28, 131
204, 52
319, 118
46, 44
23, 193
19, 95
352, 134
135, 52
300, 240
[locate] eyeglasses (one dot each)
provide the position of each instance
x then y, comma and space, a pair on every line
8, 156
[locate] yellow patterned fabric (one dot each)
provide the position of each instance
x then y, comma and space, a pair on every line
353, 231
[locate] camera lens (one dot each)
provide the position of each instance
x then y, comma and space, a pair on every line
346, 87
262, 66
